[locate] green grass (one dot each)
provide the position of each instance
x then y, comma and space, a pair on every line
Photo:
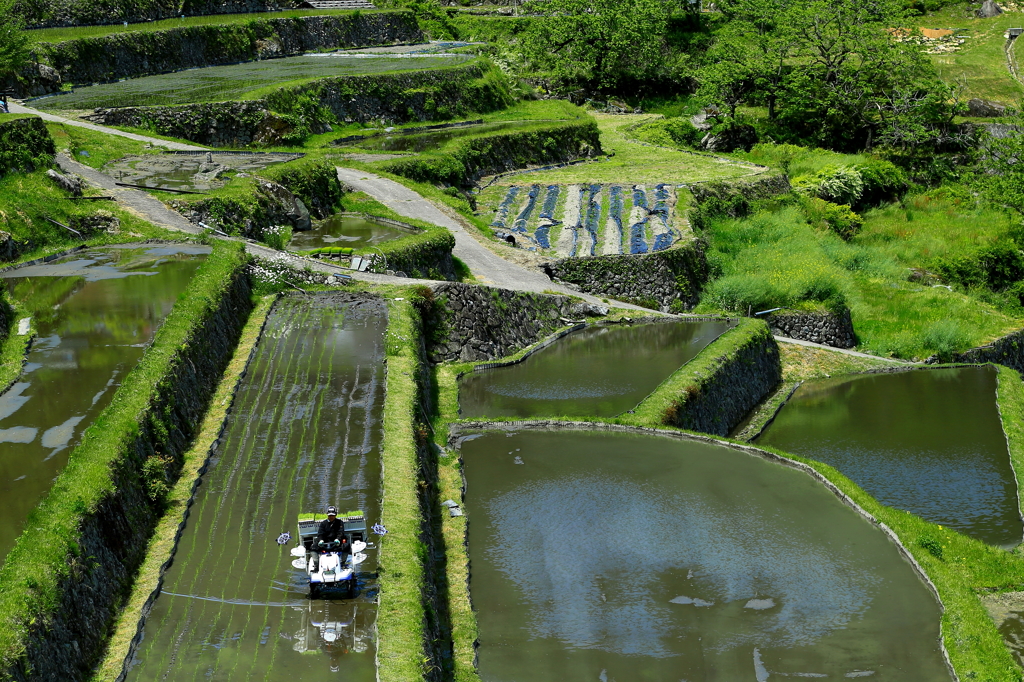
980, 60
32, 578
165, 537
634, 163
247, 81
101, 148
56, 35
14, 347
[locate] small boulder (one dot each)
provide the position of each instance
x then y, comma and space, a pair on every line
983, 108
69, 183
100, 221
988, 10
738, 136
588, 309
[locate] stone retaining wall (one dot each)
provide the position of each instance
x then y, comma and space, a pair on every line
826, 328
58, 631
427, 255
1007, 351
726, 380
732, 199
424, 95
670, 280
472, 323
141, 53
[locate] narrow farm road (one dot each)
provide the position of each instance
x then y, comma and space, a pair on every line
487, 266
847, 351
53, 118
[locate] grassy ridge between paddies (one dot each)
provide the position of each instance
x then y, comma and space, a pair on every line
401, 614
960, 567
123, 465
165, 537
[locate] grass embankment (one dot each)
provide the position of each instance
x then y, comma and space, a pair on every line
56, 35
48, 555
165, 537
959, 566
401, 613
13, 346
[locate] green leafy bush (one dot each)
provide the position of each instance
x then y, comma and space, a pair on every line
838, 218
838, 184
998, 266
883, 181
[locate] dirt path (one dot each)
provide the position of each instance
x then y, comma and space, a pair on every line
810, 344
53, 118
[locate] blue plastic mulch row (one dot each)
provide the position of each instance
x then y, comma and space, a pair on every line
661, 199
637, 239
550, 199
593, 217
503, 207
615, 209
524, 216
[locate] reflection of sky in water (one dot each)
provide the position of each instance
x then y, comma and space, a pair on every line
735, 553
559, 390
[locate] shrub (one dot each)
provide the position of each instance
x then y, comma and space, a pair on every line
933, 546
839, 184
838, 218
883, 181
945, 337
998, 267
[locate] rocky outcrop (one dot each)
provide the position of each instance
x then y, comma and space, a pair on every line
826, 328
269, 206
727, 380
983, 108
141, 53
472, 323
94, 223
668, 280
988, 10
69, 183
217, 124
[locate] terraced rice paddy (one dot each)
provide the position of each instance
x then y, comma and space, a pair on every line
615, 557
587, 220
94, 312
346, 231
927, 441
304, 432
600, 371
191, 170
236, 81
422, 142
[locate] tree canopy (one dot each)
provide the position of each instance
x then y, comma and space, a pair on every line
13, 41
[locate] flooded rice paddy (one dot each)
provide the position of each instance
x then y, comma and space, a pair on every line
235, 81
600, 371
927, 441
304, 432
197, 171
346, 231
94, 312
609, 556
586, 220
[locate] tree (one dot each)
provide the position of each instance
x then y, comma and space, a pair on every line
13, 41
596, 43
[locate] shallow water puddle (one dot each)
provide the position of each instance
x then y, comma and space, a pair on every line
600, 371
927, 441
304, 432
346, 231
94, 314
606, 556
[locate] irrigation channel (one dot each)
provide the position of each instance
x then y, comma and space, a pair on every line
94, 313
614, 556
346, 231
599, 371
927, 441
304, 432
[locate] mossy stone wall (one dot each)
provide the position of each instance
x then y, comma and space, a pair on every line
141, 53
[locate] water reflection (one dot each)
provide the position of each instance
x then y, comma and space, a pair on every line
927, 441
347, 231
602, 556
94, 312
599, 371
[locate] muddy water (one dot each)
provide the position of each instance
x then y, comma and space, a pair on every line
304, 432
927, 441
602, 556
345, 231
599, 371
95, 313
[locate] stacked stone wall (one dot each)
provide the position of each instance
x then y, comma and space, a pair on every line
826, 328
